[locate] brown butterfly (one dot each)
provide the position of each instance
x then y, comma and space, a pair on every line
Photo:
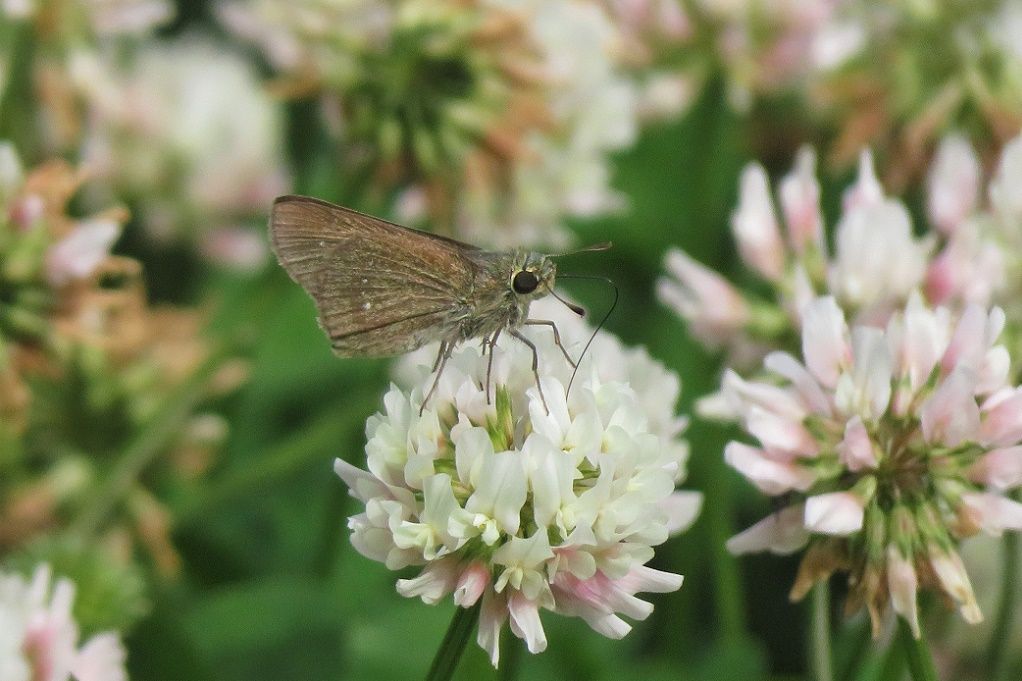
383, 289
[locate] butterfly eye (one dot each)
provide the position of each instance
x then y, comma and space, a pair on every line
525, 282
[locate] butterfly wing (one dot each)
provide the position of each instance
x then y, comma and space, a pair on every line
380, 289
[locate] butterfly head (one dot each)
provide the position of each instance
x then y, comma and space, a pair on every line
532, 276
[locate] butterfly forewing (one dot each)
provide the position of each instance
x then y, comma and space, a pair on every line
380, 288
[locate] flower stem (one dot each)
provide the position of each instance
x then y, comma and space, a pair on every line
917, 653
997, 652
453, 645
820, 633
510, 658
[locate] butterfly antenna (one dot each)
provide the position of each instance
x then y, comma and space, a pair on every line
606, 316
595, 248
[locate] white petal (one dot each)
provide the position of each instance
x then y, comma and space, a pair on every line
825, 343
525, 622
782, 533
836, 513
682, 509
771, 477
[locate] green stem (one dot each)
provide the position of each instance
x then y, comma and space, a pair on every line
858, 655
453, 645
820, 633
146, 447
997, 652
892, 667
917, 652
510, 657
728, 582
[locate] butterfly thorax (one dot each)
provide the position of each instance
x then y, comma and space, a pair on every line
506, 282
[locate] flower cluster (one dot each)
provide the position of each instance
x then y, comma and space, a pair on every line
875, 260
494, 116
522, 507
184, 119
896, 441
866, 70
85, 365
39, 634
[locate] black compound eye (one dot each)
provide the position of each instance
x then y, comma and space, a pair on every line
525, 282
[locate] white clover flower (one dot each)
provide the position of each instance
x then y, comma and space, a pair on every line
501, 113
186, 127
875, 260
105, 17
896, 442
39, 636
524, 508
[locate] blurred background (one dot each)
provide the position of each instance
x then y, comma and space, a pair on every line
171, 410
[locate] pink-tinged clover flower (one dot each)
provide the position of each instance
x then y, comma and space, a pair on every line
39, 635
893, 443
504, 503
874, 261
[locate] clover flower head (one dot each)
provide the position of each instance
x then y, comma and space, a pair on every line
874, 261
896, 442
501, 113
500, 500
39, 635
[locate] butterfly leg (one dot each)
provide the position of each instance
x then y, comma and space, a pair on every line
438, 366
491, 342
439, 355
535, 364
557, 338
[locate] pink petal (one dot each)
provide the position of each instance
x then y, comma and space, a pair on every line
754, 225
1000, 468
771, 477
992, 512
1002, 418
953, 184
825, 343
902, 582
714, 308
471, 584
867, 189
780, 436
856, 448
782, 533
742, 395
808, 388
973, 337
800, 201
836, 513
950, 415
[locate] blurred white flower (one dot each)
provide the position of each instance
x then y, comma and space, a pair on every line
115, 17
105, 17
894, 442
501, 500
185, 130
714, 309
500, 113
39, 636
